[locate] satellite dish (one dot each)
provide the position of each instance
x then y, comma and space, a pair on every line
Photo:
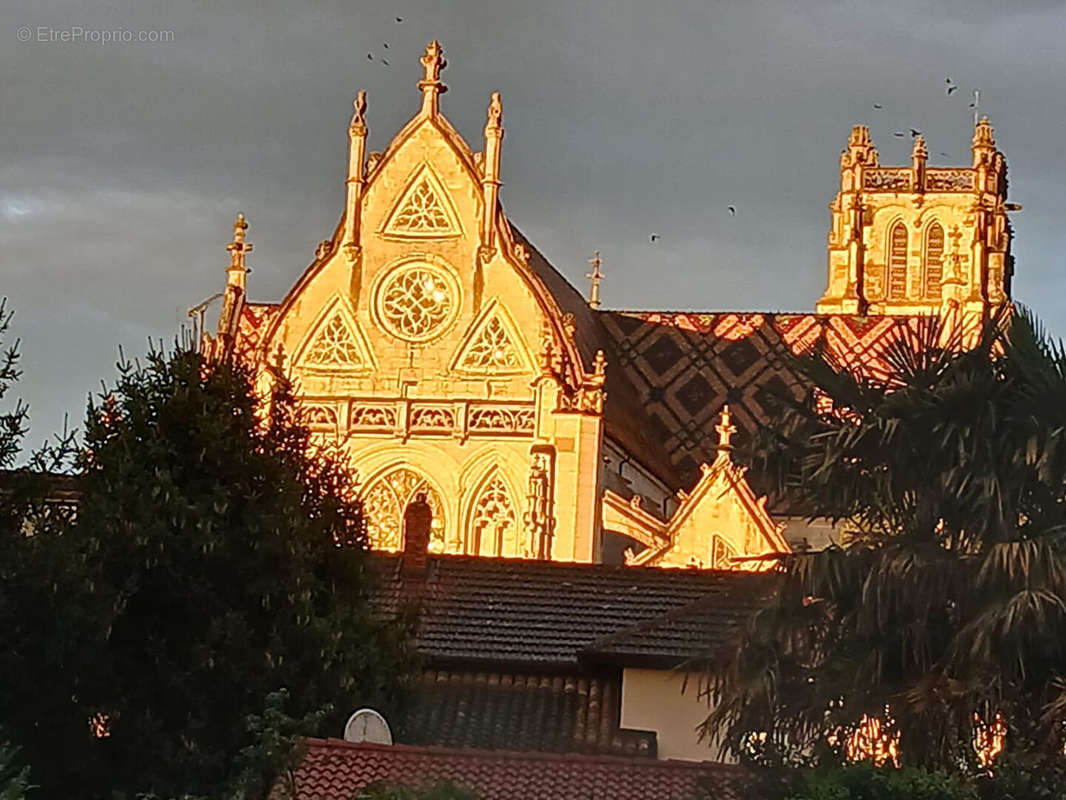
367, 725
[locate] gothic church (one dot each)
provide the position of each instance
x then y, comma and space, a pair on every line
450, 359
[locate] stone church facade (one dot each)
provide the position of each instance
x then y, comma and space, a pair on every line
450, 359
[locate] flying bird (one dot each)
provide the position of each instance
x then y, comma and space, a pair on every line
951, 89
878, 105
945, 155
385, 62
370, 56
654, 237
973, 104
386, 44
900, 134
732, 211
399, 19
915, 132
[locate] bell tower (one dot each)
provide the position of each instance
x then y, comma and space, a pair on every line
918, 239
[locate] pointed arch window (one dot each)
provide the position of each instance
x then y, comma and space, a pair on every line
897, 262
933, 266
493, 526
385, 501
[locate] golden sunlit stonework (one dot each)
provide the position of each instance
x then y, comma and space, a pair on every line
919, 239
450, 359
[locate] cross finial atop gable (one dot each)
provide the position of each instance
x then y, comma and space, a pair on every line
430, 85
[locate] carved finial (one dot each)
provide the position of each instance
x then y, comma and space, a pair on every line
568, 324
861, 148
725, 429
982, 134
430, 86
984, 145
599, 364
238, 248
325, 247
920, 151
358, 123
595, 277
490, 179
494, 118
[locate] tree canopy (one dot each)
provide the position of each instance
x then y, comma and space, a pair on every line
216, 557
946, 606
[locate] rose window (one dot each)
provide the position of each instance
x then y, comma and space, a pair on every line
416, 303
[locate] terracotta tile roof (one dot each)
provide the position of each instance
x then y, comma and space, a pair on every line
522, 613
332, 769
559, 713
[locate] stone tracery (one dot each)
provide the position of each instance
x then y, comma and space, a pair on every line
491, 350
422, 212
334, 346
493, 526
386, 500
416, 302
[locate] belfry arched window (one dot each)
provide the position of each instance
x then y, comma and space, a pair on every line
386, 499
897, 262
493, 521
933, 262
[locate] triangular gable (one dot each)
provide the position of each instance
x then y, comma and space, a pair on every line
424, 210
336, 343
724, 483
689, 542
492, 346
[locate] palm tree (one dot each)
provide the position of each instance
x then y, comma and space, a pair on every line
948, 602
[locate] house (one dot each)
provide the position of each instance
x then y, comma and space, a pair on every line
549, 679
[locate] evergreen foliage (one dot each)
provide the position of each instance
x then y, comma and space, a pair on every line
215, 558
866, 782
14, 777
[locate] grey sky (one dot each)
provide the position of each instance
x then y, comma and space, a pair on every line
122, 165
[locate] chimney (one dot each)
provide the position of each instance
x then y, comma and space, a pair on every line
417, 521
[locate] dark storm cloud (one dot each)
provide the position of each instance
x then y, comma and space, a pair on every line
122, 165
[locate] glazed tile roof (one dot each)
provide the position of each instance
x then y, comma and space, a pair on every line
622, 412
558, 713
540, 613
686, 366
332, 769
